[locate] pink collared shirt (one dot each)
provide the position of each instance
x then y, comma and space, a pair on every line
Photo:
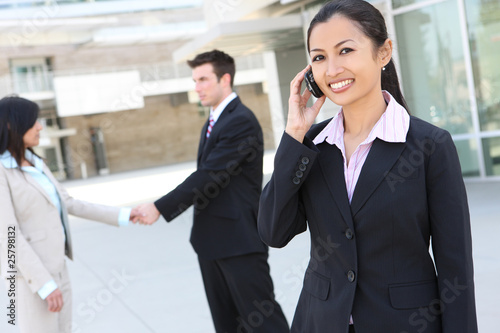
392, 126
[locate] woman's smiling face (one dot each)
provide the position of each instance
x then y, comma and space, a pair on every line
346, 65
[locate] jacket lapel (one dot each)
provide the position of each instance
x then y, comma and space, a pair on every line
37, 186
64, 212
203, 138
381, 158
332, 166
218, 126
224, 117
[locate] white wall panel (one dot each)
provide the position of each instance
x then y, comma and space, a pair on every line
98, 93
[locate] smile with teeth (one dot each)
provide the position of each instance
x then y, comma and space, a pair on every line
341, 84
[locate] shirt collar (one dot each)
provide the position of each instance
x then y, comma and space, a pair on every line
218, 110
333, 133
392, 126
9, 162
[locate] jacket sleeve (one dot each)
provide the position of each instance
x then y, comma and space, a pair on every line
451, 236
281, 210
239, 143
27, 261
84, 209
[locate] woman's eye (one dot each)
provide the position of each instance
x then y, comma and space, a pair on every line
346, 50
317, 58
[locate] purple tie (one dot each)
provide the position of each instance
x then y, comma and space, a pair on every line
211, 122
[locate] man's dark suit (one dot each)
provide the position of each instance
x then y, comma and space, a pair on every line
371, 258
225, 191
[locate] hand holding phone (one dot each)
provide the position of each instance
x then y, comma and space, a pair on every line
312, 85
300, 116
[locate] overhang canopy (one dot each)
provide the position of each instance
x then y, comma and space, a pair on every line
247, 37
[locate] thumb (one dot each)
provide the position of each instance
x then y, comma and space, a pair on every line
318, 104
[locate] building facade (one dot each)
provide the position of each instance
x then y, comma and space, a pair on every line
446, 52
116, 94
111, 97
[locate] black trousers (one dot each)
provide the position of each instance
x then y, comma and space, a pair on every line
351, 329
240, 294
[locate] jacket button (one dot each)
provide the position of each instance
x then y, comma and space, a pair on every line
299, 174
349, 234
351, 276
302, 167
305, 160
296, 180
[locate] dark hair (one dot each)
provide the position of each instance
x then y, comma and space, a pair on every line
222, 62
371, 22
17, 116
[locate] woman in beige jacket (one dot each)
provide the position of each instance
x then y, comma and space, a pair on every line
34, 229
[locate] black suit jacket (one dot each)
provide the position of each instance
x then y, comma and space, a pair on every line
371, 258
225, 188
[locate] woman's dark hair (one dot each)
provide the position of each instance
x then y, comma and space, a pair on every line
222, 62
371, 22
17, 116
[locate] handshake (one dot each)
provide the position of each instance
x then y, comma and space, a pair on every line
146, 214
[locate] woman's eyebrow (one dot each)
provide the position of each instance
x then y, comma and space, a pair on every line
336, 45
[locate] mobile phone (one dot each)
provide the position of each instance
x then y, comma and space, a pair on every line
311, 84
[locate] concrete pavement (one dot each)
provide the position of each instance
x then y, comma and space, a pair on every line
139, 279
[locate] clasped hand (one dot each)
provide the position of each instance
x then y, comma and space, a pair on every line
146, 214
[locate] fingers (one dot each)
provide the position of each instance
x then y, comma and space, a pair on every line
306, 94
138, 214
146, 214
135, 215
55, 301
146, 220
316, 107
296, 83
300, 117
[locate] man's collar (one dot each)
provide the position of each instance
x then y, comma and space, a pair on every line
218, 111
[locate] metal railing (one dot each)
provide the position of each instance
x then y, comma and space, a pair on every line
7, 4
32, 82
43, 81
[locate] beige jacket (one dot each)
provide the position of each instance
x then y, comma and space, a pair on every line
40, 246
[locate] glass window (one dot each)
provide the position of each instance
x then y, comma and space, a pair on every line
31, 75
483, 23
51, 159
402, 3
433, 67
491, 148
467, 153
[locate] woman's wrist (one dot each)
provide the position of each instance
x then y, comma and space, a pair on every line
296, 134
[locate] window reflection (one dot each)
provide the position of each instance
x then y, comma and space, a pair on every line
433, 66
401, 3
467, 153
491, 147
483, 23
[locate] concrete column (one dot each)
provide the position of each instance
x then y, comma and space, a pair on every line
274, 95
